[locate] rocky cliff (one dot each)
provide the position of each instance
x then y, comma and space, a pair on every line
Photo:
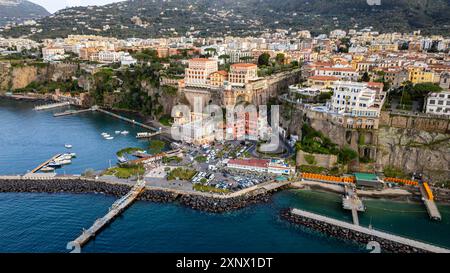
415, 151
14, 77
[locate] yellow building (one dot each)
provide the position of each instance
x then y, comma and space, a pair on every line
419, 75
217, 79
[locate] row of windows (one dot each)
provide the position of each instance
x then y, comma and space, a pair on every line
440, 102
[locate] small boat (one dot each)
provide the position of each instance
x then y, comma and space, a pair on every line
64, 157
122, 159
117, 132
47, 169
54, 164
73, 155
125, 133
68, 146
106, 136
63, 162
109, 138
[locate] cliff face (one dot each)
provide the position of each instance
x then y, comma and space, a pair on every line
16, 77
415, 151
409, 149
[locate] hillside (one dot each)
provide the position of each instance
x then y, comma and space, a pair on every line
19, 10
145, 18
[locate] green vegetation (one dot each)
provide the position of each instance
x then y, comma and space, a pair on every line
171, 159
205, 188
156, 146
181, 174
126, 171
314, 142
310, 159
312, 169
166, 120
128, 150
391, 171
201, 159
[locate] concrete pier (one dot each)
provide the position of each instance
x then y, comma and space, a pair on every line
352, 202
72, 112
388, 242
51, 106
96, 108
428, 200
116, 209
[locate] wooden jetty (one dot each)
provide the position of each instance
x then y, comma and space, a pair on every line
428, 200
42, 165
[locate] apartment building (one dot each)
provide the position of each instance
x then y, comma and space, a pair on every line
198, 72
243, 73
52, 53
438, 103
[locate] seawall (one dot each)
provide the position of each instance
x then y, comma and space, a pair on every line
360, 235
78, 185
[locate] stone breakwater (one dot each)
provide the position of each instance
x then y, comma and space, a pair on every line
63, 185
347, 234
197, 201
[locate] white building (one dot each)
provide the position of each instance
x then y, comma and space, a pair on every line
196, 75
261, 165
355, 98
438, 103
127, 59
52, 53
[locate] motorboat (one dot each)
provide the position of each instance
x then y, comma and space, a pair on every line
54, 164
73, 155
63, 162
117, 132
109, 138
68, 146
125, 133
47, 169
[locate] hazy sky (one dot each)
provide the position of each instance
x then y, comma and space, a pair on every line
54, 5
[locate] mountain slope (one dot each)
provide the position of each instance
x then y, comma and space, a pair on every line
145, 18
18, 10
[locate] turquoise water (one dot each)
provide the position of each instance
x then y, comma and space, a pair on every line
30, 137
46, 222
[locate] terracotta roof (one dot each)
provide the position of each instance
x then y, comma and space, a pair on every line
337, 69
244, 65
324, 78
221, 72
200, 60
250, 162
375, 84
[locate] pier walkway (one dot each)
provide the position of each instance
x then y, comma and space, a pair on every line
352, 202
96, 108
428, 200
116, 209
51, 106
72, 112
370, 232
42, 165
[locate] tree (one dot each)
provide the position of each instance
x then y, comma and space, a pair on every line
263, 59
365, 77
280, 58
224, 57
346, 155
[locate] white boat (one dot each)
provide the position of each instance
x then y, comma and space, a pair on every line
68, 146
63, 162
47, 169
109, 138
54, 164
64, 157
125, 133
117, 132
107, 135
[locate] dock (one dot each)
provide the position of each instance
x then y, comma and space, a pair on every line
370, 232
51, 106
72, 112
352, 202
42, 165
146, 135
132, 121
115, 210
428, 200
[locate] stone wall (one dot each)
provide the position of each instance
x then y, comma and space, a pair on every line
422, 122
325, 161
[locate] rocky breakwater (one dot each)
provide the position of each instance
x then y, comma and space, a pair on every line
341, 232
216, 204
67, 185
158, 196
